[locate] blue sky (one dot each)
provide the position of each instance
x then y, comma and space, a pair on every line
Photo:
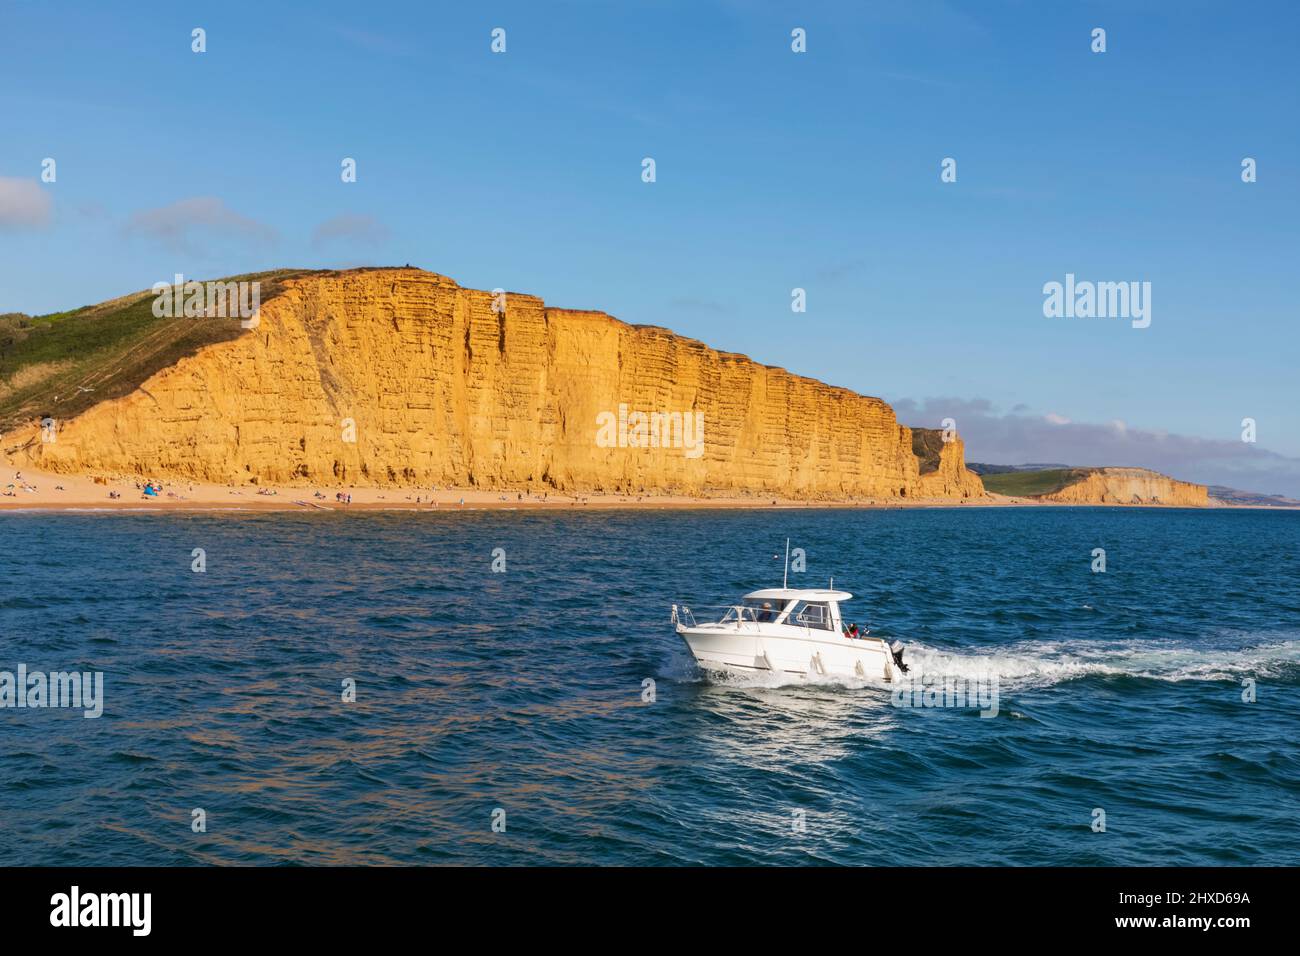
775, 170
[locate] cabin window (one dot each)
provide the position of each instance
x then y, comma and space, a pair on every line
816, 616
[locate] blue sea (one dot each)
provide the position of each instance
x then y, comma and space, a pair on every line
547, 713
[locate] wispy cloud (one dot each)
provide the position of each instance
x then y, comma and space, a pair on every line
923, 79
23, 204
372, 41
697, 304
841, 270
191, 225
350, 228
1020, 436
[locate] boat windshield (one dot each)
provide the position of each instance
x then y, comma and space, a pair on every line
760, 610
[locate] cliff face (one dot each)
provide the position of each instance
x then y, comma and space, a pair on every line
1130, 486
951, 478
401, 377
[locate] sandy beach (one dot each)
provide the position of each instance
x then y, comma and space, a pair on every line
24, 489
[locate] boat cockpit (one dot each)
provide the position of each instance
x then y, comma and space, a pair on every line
814, 609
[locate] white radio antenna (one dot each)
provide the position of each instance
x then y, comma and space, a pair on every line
786, 576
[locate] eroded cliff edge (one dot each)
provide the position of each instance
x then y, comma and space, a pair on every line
400, 377
1124, 486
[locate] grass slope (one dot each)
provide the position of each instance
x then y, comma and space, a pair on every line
61, 364
1027, 484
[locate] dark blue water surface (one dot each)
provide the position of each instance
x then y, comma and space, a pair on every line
523, 690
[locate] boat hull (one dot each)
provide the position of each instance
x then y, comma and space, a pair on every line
801, 652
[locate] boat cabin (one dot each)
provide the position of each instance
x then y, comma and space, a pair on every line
816, 608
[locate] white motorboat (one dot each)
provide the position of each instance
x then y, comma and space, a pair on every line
789, 632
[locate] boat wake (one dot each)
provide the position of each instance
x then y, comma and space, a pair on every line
1033, 664
1043, 663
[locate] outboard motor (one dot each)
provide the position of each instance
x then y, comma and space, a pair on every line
896, 649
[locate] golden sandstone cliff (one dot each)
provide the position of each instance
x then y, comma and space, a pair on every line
1124, 486
399, 377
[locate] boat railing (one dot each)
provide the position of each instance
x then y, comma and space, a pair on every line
731, 614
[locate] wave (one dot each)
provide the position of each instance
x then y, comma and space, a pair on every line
767, 680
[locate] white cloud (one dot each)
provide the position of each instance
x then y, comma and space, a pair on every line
23, 204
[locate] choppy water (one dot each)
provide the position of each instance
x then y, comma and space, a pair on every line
523, 690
